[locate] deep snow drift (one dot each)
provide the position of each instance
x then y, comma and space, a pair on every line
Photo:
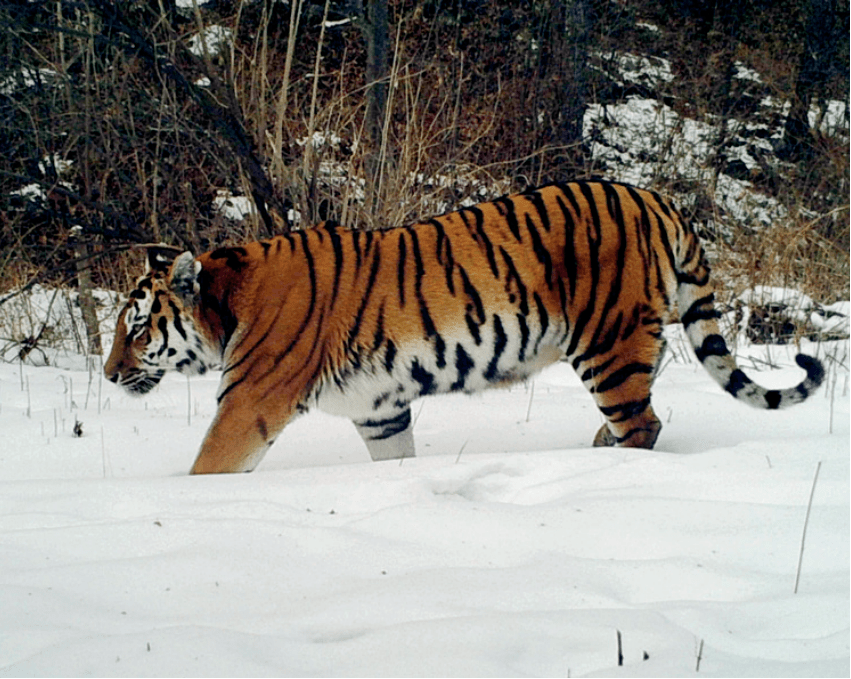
509, 547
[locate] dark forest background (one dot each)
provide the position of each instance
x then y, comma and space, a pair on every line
119, 126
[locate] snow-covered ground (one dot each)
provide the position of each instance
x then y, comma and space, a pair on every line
508, 547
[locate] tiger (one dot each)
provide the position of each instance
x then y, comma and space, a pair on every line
360, 323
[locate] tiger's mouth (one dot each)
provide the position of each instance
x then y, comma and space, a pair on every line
138, 382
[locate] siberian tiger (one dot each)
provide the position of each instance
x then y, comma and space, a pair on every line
360, 323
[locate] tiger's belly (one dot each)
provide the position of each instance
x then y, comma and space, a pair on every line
375, 389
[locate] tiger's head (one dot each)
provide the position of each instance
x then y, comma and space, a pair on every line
157, 329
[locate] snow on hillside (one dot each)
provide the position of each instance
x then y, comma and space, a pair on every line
509, 547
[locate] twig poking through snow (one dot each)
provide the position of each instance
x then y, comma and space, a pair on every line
461, 451
806, 522
531, 396
107, 468
419, 412
699, 656
100, 383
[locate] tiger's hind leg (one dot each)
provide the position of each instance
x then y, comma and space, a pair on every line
621, 388
388, 437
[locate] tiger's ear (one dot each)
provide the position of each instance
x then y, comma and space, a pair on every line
160, 258
184, 277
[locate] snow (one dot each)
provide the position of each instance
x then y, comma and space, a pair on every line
653, 28
30, 191
745, 72
508, 547
640, 140
319, 140
231, 206
649, 71
53, 162
832, 120
212, 40
28, 77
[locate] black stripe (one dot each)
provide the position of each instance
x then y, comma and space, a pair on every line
613, 206
592, 231
696, 313
773, 399
544, 319
537, 201
619, 440
568, 189
540, 251
500, 340
569, 254
423, 377
562, 298
625, 411
378, 336
691, 279
738, 381
354, 330
618, 377
514, 275
356, 236
814, 368
178, 324
524, 337
389, 426
663, 205
400, 270
443, 250
596, 370
475, 304
662, 231
632, 324
482, 238
389, 356
337, 245
162, 326
262, 428
473, 327
234, 257
644, 242
472, 295
463, 364
713, 345
425, 315
510, 215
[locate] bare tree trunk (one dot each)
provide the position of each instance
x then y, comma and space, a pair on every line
572, 21
813, 72
375, 29
87, 300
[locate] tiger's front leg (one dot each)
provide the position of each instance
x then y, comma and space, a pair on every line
239, 437
388, 437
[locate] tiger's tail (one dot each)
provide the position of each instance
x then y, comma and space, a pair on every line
700, 319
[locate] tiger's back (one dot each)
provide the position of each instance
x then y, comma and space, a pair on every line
361, 323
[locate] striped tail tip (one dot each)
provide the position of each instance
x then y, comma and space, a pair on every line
815, 372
